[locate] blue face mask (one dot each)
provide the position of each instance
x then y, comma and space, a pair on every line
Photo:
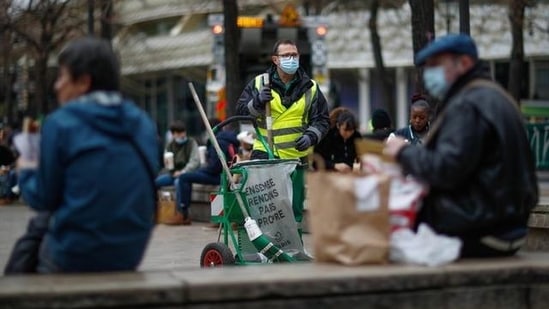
435, 82
289, 65
181, 140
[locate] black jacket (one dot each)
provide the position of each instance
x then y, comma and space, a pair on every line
228, 143
334, 149
318, 118
379, 134
478, 164
410, 134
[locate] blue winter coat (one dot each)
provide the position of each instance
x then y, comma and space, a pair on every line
99, 189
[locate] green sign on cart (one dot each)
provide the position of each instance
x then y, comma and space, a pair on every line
538, 136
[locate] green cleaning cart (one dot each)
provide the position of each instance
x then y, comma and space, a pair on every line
272, 193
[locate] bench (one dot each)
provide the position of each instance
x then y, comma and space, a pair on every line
538, 228
200, 200
516, 282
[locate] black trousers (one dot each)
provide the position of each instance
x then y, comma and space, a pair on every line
24, 255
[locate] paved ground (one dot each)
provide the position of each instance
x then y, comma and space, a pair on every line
171, 246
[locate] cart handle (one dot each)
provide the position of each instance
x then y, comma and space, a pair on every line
251, 119
235, 119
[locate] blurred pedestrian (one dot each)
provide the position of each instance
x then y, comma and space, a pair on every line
8, 175
337, 148
382, 126
184, 151
476, 160
94, 182
209, 174
418, 128
247, 140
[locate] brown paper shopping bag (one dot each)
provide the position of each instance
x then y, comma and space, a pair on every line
349, 217
166, 209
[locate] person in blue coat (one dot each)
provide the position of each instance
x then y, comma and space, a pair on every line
94, 181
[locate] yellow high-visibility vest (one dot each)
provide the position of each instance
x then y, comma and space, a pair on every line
288, 123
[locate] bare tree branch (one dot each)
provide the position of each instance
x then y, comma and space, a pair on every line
43, 26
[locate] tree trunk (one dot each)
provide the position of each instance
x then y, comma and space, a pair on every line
386, 82
91, 20
106, 20
516, 62
423, 31
232, 63
7, 77
41, 88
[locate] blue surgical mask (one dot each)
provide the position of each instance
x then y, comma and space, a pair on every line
181, 140
435, 82
289, 65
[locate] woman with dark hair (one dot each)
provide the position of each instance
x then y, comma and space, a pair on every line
337, 148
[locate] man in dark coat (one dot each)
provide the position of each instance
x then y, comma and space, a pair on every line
476, 160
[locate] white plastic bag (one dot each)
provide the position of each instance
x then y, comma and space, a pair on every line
423, 248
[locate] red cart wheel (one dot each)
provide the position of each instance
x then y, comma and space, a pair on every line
216, 254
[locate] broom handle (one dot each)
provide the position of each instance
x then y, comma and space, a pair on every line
268, 118
218, 150
269, 121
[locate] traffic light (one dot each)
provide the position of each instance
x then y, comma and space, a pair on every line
217, 29
321, 31
319, 55
215, 21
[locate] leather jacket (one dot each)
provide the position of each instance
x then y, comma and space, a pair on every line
478, 164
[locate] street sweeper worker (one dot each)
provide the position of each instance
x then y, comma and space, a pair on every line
298, 109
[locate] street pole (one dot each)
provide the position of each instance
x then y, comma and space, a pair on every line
90, 17
464, 26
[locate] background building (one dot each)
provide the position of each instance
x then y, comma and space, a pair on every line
163, 44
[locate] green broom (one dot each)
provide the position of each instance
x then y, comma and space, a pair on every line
260, 241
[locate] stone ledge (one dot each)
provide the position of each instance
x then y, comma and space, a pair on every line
91, 290
517, 282
539, 220
543, 208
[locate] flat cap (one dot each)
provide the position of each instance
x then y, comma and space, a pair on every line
460, 44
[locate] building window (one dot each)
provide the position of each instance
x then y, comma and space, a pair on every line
501, 75
541, 85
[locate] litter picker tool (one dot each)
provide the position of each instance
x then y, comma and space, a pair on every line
259, 240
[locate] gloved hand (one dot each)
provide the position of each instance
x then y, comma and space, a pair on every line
303, 142
265, 96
